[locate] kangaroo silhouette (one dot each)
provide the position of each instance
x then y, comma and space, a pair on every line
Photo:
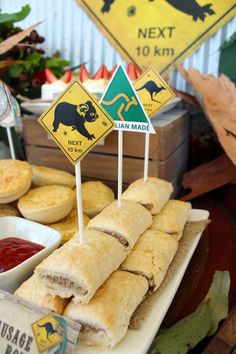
189, 7
152, 88
107, 5
49, 329
123, 106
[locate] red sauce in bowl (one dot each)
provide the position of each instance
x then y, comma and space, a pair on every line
14, 251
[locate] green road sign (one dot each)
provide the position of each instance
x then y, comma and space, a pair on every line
122, 103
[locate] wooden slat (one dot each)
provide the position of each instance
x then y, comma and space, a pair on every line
171, 130
104, 167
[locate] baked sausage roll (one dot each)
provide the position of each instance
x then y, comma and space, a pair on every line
125, 223
172, 218
34, 291
78, 269
152, 194
151, 256
106, 318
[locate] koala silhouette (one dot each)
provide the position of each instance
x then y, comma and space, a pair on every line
75, 116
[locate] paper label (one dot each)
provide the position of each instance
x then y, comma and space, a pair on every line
158, 32
9, 121
153, 91
122, 103
27, 329
5, 102
76, 121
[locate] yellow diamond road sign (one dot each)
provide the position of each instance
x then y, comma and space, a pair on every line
153, 91
76, 122
46, 333
158, 32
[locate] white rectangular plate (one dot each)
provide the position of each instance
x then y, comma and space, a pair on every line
139, 341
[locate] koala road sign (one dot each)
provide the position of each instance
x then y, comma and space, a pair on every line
76, 122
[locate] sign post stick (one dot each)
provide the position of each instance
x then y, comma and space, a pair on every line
13, 155
120, 166
150, 78
79, 201
146, 156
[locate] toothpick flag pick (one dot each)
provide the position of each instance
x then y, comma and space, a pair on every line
154, 93
122, 103
76, 122
7, 119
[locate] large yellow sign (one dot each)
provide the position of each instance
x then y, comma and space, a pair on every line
158, 32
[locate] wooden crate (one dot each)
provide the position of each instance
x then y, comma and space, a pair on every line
168, 151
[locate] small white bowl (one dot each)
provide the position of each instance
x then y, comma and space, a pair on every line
36, 107
12, 226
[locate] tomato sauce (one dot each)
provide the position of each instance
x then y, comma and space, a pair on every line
14, 251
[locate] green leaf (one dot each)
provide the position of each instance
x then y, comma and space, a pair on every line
33, 58
55, 61
17, 16
15, 71
26, 66
185, 334
203, 322
58, 71
217, 298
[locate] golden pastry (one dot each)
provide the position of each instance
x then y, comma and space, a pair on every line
151, 256
79, 269
96, 196
45, 176
68, 226
172, 218
15, 179
105, 320
34, 291
47, 204
126, 223
153, 193
8, 210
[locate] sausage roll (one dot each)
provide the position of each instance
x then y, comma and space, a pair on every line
125, 223
106, 318
151, 256
172, 218
152, 194
34, 291
78, 269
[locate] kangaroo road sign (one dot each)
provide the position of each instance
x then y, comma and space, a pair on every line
158, 32
121, 101
153, 91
